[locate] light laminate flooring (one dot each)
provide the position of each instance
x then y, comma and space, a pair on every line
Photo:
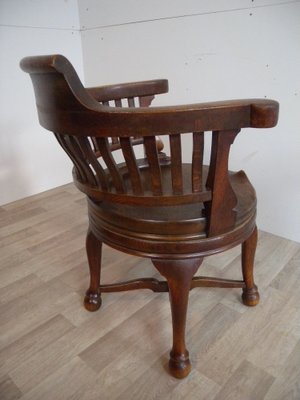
51, 348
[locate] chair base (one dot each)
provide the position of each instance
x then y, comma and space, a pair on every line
179, 273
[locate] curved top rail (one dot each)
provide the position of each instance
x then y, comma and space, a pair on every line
82, 115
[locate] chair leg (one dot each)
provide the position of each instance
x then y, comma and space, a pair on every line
92, 300
250, 294
179, 274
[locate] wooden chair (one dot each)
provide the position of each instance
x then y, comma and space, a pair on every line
154, 206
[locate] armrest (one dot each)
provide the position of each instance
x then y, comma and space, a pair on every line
87, 117
215, 116
74, 110
125, 90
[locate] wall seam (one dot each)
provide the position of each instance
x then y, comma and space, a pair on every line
84, 29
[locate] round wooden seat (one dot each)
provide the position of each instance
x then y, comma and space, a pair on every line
141, 230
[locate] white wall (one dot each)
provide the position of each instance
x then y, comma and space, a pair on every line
30, 159
213, 50
209, 50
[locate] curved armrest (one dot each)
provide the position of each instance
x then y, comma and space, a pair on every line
75, 110
125, 90
215, 116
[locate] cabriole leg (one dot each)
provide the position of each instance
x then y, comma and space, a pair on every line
250, 294
179, 274
92, 300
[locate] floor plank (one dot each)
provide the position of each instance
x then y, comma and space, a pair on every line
8, 390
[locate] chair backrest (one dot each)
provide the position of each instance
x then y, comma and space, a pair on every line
90, 124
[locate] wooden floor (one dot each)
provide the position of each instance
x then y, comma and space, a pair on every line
51, 348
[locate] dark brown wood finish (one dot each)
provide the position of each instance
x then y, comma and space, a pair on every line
250, 293
155, 206
179, 275
197, 161
92, 300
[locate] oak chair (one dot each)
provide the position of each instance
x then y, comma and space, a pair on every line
154, 205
